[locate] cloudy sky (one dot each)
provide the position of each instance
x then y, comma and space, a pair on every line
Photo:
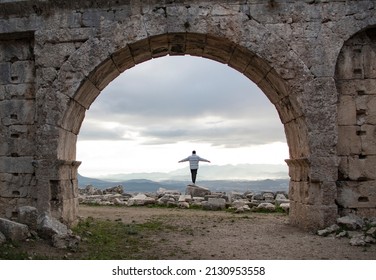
156, 113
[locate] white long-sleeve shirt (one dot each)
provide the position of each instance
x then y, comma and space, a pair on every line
193, 161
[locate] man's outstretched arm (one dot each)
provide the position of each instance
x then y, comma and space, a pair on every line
186, 159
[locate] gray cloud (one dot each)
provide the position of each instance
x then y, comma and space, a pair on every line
184, 99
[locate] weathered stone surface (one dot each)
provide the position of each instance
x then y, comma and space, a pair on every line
28, 215
14, 231
194, 190
141, 199
351, 222
66, 241
214, 204
49, 226
266, 206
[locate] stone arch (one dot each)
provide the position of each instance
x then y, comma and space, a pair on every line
79, 96
356, 82
230, 37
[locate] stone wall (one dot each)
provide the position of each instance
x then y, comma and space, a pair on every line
356, 82
57, 56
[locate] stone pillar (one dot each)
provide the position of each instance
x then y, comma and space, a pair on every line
57, 189
17, 118
312, 200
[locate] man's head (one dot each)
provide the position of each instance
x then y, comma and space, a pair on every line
194, 152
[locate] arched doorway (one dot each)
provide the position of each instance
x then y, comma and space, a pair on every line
78, 98
166, 107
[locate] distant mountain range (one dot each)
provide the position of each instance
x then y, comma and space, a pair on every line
253, 177
211, 172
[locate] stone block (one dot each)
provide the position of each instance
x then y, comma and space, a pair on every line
13, 230
346, 110
58, 54
123, 59
86, 94
349, 142
28, 215
16, 165
323, 167
15, 185
361, 167
14, 112
5, 73
352, 194
159, 45
49, 226
214, 204
19, 91
195, 190
104, 74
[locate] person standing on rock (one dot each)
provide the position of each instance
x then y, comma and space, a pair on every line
193, 164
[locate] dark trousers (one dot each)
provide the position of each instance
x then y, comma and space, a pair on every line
193, 174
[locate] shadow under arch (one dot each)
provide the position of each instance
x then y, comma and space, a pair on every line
222, 50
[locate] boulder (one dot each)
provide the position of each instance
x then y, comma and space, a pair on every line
163, 191
240, 203
258, 197
114, 190
324, 232
285, 206
49, 226
13, 230
281, 198
268, 196
183, 204
165, 199
141, 199
358, 240
232, 196
90, 190
350, 222
185, 198
28, 215
195, 190
266, 206
214, 204
66, 241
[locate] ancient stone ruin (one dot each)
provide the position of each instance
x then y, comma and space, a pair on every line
314, 60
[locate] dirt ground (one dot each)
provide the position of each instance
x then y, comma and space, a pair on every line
208, 235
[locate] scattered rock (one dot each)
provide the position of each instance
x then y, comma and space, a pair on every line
359, 231
358, 240
195, 190
49, 226
195, 196
141, 199
214, 204
350, 222
328, 230
266, 206
66, 241
285, 206
14, 231
29, 216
